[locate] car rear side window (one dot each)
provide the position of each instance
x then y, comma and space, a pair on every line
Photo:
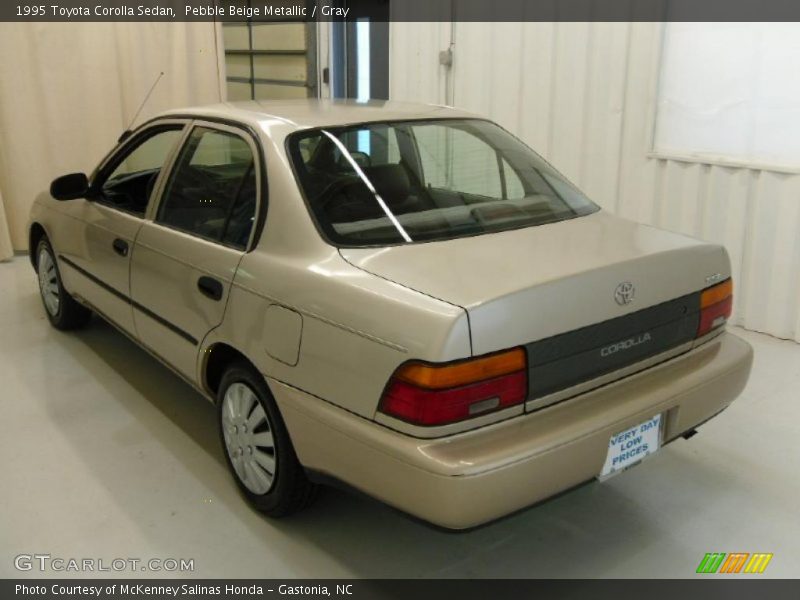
212, 190
410, 181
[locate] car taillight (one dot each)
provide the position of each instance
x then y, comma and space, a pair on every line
430, 394
716, 304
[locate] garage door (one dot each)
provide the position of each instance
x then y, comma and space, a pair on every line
272, 60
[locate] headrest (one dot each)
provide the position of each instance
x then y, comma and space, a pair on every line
390, 181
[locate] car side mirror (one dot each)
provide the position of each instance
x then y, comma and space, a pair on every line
69, 187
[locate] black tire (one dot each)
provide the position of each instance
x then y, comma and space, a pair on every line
290, 489
69, 313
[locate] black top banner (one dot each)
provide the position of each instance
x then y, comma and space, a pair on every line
399, 10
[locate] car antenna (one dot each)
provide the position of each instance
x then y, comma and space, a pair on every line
128, 131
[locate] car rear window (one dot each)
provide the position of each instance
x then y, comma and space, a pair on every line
411, 181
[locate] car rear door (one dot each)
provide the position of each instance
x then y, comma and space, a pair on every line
185, 258
105, 225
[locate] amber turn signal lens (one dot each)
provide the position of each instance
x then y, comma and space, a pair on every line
716, 294
429, 394
716, 305
463, 373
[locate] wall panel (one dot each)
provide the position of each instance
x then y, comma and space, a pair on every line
584, 95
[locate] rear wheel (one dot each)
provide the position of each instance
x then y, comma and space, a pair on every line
257, 447
62, 310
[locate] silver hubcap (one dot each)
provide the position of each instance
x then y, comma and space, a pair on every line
48, 282
248, 438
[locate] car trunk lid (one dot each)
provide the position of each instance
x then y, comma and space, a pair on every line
585, 296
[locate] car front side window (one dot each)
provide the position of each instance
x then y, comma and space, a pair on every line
212, 189
133, 175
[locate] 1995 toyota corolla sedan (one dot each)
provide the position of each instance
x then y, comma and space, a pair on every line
402, 298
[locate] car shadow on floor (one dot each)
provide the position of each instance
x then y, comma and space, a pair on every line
590, 532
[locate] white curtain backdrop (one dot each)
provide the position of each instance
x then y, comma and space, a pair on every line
67, 91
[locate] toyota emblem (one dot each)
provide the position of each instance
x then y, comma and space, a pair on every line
624, 293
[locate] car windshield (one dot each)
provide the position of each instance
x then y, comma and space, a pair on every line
411, 181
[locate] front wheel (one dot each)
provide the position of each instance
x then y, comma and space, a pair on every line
62, 310
257, 447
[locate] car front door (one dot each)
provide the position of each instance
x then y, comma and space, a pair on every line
185, 258
105, 224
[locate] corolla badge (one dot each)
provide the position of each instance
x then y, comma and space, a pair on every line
642, 338
624, 293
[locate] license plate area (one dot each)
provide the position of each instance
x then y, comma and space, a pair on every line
630, 446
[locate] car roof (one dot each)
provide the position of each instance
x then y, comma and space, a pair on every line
309, 113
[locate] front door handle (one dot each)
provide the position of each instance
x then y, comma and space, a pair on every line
120, 247
210, 287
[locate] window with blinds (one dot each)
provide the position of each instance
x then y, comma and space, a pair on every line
726, 95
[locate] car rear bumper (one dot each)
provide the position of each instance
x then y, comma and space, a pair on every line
468, 479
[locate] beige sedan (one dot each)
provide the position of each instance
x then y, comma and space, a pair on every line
402, 298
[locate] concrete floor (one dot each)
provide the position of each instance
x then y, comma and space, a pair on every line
106, 454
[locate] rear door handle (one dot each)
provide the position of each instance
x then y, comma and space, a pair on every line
120, 247
210, 287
